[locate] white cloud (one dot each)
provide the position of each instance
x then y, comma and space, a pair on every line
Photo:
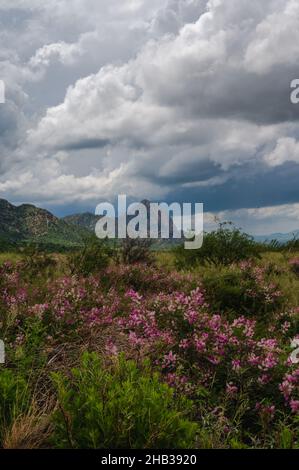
67, 54
286, 150
276, 39
259, 221
159, 95
173, 94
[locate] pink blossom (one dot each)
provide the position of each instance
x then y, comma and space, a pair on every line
294, 404
231, 389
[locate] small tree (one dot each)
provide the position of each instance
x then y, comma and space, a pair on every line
224, 246
92, 258
36, 262
134, 251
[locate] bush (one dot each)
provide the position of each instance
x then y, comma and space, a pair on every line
91, 259
243, 291
134, 251
224, 246
292, 245
294, 264
14, 398
37, 263
121, 407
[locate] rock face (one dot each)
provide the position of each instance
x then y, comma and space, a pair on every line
27, 223
85, 220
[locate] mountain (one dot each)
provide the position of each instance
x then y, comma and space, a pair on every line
88, 221
280, 237
27, 223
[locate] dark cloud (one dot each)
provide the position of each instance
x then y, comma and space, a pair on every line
247, 189
184, 100
86, 144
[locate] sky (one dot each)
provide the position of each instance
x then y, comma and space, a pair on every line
169, 100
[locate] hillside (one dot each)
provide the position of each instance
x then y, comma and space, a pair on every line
27, 223
279, 237
86, 220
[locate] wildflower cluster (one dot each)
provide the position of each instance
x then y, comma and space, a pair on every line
225, 361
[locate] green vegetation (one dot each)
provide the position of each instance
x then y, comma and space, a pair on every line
102, 353
122, 406
92, 258
135, 251
224, 246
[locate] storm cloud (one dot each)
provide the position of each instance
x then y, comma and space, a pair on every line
176, 100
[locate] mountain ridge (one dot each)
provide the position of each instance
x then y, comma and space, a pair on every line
28, 223
279, 237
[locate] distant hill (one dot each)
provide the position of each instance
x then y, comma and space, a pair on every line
86, 220
280, 237
27, 223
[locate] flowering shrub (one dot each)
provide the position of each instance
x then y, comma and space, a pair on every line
294, 264
290, 390
226, 351
243, 289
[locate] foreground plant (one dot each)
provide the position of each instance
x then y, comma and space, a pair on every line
119, 407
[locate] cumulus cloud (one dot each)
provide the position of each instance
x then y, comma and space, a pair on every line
162, 98
65, 53
276, 39
286, 150
174, 81
259, 221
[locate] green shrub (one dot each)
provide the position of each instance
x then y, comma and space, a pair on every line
30, 356
91, 259
37, 263
224, 246
294, 265
246, 291
7, 245
292, 245
14, 398
134, 251
122, 407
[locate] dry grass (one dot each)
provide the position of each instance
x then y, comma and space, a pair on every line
12, 257
29, 431
65, 356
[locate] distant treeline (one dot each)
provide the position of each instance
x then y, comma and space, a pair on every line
7, 245
274, 245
